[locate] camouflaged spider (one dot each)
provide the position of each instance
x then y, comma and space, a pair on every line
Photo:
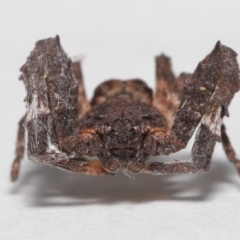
124, 123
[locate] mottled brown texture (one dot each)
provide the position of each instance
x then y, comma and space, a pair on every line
83, 104
180, 83
227, 146
49, 79
134, 89
20, 147
168, 88
119, 128
207, 94
124, 123
165, 79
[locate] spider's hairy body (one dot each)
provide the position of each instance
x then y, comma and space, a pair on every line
122, 125
125, 122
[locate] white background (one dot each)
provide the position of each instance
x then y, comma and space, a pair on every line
118, 39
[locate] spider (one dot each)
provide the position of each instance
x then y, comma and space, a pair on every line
125, 122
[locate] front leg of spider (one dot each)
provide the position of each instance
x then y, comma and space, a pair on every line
44, 73
20, 147
206, 97
53, 109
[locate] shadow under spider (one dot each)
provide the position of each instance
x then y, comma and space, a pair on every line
48, 187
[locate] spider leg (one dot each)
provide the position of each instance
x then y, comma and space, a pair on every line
19, 150
179, 85
39, 152
79, 165
164, 77
227, 146
206, 97
83, 104
200, 161
168, 88
52, 118
51, 84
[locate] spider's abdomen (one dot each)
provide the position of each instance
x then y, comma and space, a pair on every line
135, 90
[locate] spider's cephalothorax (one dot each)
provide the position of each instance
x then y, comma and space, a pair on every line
125, 122
121, 127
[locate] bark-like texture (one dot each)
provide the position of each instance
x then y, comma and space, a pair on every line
124, 123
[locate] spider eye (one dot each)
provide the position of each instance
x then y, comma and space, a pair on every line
147, 117
132, 130
113, 130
